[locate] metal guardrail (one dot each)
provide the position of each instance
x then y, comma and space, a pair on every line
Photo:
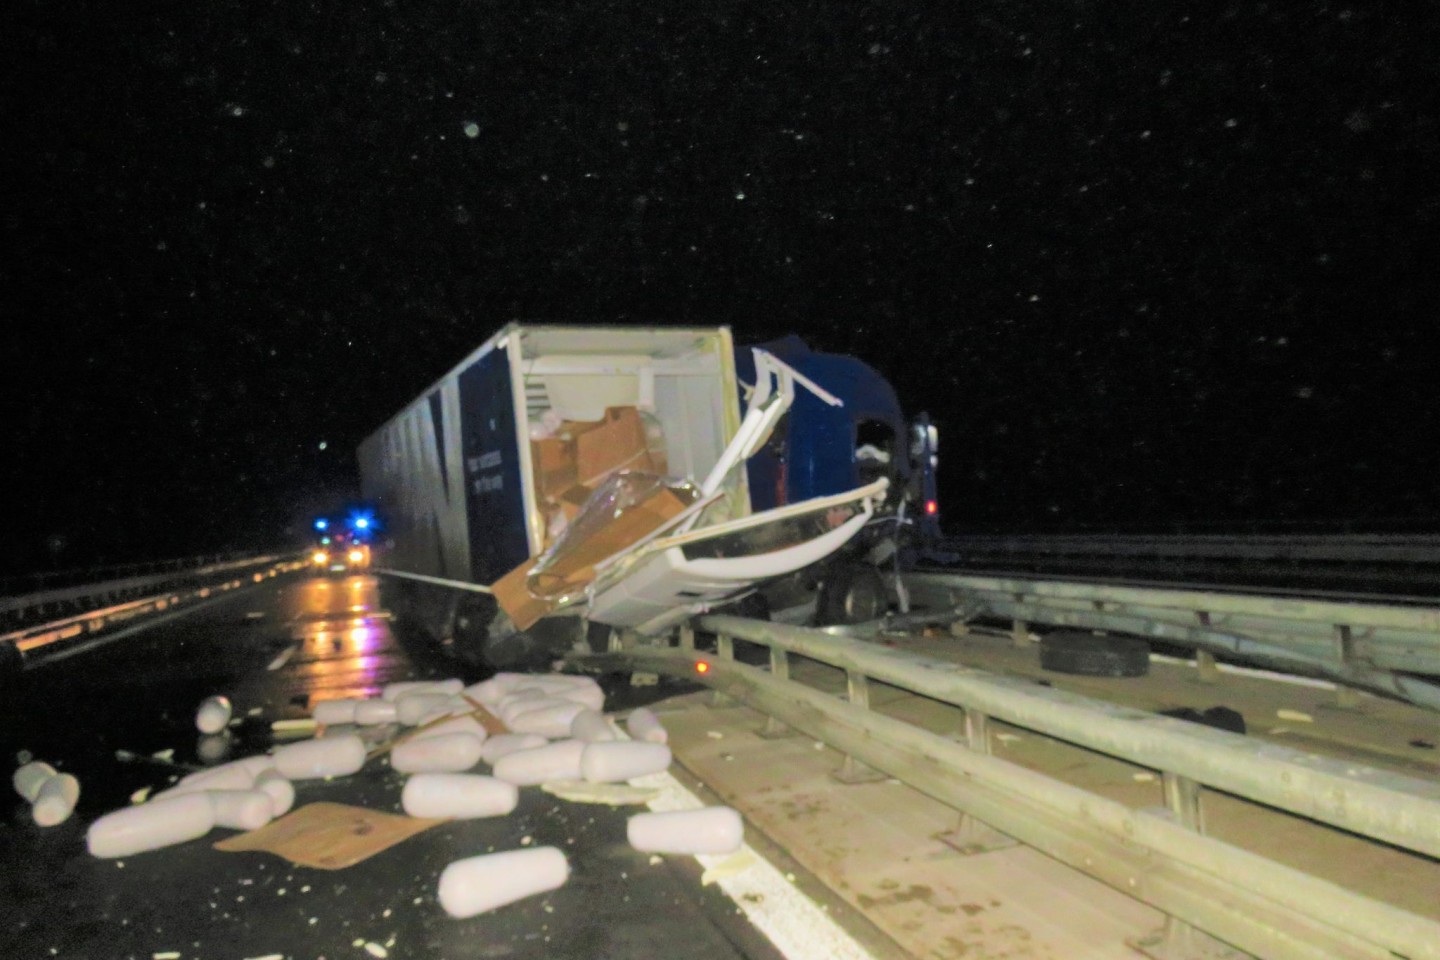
16, 608
1345, 548
18, 645
1372, 646
1206, 887
1383, 565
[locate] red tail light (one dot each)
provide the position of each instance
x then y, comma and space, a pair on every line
932, 507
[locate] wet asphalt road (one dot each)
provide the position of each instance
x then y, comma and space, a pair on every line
273, 649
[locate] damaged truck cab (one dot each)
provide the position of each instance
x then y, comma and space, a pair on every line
628, 477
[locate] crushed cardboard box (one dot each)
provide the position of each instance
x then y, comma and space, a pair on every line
328, 836
600, 531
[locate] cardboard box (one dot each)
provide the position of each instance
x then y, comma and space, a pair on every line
576, 563
614, 443
572, 569
515, 599
554, 461
572, 500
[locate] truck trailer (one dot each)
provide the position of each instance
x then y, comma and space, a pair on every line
564, 481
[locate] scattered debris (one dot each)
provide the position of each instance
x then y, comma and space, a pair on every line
1294, 716
731, 867
714, 734
607, 794
1143, 777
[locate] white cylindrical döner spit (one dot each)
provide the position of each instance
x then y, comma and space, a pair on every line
331, 712
477, 884
642, 724
369, 713
394, 691
623, 760
462, 724
56, 800
29, 778
707, 830
327, 757
411, 708
552, 719
591, 726
213, 714
458, 796
235, 775
280, 791
557, 761
448, 753
159, 823
504, 744
241, 809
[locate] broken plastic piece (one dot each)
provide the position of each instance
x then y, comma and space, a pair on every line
29, 778
623, 760
591, 726
56, 800
504, 744
159, 823
557, 761
458, 796
479, 884
241, 809
644, 725
213, 715
329, 757
707, 830
447, 753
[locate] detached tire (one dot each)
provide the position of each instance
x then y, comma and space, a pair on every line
851, 593
1086, 655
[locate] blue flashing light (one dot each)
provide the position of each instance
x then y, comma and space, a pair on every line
322, 524
362, 523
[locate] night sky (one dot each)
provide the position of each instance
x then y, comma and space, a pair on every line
1149, 265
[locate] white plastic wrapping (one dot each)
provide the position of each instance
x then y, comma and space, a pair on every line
707, 830
623, 760
556, 761
213, 714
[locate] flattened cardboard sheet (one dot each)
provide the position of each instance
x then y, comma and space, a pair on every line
328, 836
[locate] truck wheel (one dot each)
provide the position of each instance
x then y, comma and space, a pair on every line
1086, 655
851, 593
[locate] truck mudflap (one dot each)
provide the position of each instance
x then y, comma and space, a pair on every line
663, 582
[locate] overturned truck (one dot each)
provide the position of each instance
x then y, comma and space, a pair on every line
567, 478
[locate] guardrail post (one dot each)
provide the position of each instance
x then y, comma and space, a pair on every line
780, 670
852, 771
1178, 940
1346, 698
972, 836
1205, 669
1020, 633
724, 650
